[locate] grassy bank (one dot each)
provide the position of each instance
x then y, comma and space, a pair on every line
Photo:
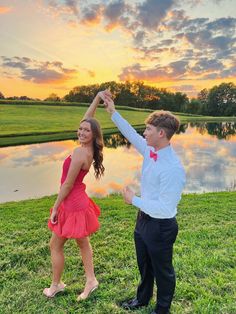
204, 258
24, 124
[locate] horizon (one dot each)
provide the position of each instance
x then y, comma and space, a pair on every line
51, 46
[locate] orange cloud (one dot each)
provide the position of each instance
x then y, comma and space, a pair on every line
92, 22
109, 27
4, 10
116, 186
98, 191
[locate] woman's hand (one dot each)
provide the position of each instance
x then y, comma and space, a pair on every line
101, 95
53, 216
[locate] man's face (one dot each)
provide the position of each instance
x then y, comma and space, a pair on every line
152, 135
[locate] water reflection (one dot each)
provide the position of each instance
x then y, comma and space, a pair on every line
223, 130
208, 152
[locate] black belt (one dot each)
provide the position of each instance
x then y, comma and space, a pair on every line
142, 215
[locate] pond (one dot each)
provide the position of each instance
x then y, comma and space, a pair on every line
207, 151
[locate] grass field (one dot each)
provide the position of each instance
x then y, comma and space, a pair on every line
21, 124
204, 258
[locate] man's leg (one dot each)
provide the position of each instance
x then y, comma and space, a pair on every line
145, 288
161, 253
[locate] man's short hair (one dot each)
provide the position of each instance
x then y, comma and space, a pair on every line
164, 120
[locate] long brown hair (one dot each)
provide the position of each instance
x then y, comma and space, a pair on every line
97, 147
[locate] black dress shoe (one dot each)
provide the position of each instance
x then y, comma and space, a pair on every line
161, 310
133, 304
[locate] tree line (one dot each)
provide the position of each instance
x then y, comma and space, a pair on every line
222, 130
217, 101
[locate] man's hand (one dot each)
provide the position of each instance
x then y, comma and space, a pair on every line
109, 104
128, 195
102, 94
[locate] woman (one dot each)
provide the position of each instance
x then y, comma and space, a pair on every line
74, 214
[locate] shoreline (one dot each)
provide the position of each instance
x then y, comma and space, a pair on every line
115, 195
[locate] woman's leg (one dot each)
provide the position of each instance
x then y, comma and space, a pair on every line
87, 257
57, 257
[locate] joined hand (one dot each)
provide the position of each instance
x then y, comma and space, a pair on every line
128, 195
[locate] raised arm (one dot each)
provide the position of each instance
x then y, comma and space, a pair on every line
125, 128
92, 108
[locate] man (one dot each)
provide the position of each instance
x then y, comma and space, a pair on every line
162, 182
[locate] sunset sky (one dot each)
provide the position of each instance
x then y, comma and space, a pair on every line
51, 46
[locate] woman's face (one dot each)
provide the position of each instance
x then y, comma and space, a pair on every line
84, 133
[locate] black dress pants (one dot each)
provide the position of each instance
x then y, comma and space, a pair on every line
154, 240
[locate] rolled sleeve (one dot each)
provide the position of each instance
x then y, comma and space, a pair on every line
164, 205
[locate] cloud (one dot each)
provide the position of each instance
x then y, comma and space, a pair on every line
113, 13
225, 25
205, 65
190, 90
227, 73
37, 71
91, 73
92, 14
205, 40
152, 52
4, 10
179, 70
174, 70
139, 38
161, 29
72, 4
64, 7
152, 12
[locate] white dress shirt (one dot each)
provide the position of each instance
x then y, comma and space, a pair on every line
162, 181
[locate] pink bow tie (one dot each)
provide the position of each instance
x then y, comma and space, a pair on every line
153, 155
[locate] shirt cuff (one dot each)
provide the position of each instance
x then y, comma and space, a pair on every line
114, 115
137, 201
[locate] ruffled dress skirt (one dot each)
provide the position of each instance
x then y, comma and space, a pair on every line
77, 217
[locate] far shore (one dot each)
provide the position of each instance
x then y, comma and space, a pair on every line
28, 124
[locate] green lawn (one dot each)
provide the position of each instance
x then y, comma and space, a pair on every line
21, 124
204, 258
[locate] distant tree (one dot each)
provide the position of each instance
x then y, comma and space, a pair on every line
1, 96
194, 106
166, 100
147, 96
112, 85
24, 98
222, 100
181, 101
126, 97
52, 97
13, 98
203, 98
134, 94
84, 93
